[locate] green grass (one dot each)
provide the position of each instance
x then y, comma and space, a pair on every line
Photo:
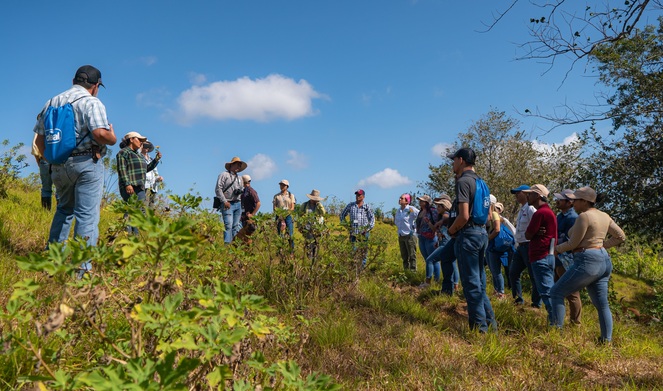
373, 330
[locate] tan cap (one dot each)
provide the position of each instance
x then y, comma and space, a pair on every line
284, 182
584, 193
246, 178
134, 134
538, 189
426, 198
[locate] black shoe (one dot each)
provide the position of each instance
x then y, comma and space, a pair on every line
519, 301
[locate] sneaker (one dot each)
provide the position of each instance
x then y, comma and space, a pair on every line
519, 301
424, 285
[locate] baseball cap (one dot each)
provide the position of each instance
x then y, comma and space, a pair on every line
360, 192
493, 199
466, 153
519, 189
134, 134
564, 195
89, 74
538, 189
426, 198
285, 182
246, 178
584, 193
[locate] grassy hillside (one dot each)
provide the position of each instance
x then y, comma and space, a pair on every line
176, 309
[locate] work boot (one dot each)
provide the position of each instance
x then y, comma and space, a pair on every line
46, 203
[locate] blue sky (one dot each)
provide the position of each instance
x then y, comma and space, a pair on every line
332, 95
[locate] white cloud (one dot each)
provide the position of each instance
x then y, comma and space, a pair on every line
544, 147
274, 97
261, 166
441, 148
385, 179
297, 160
197, 79
148, 60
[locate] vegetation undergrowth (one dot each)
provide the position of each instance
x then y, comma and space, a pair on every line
175, 308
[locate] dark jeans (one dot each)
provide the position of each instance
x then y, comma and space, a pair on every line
446, 255
471, 243
519, 264
140, 193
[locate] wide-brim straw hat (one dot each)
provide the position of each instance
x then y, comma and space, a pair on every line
315, 195
236, 160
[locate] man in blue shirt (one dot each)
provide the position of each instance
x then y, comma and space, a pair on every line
565, 220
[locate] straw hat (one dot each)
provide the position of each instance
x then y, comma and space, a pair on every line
236, 160
315, 195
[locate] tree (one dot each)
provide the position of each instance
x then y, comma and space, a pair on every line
628, 164
506, 159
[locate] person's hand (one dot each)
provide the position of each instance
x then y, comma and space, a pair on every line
158, 156
159, 179
226, 205
129, 189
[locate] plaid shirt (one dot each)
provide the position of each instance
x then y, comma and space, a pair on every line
89, 113
132, 168
361, 217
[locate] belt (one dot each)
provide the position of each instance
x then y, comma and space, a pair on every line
83, 153
523, 243
583, 249
233, 202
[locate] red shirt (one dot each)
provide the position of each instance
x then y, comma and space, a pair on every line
539, 246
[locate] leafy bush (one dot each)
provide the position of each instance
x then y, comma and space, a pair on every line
147, 317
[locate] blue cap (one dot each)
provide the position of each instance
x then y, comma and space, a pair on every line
519, 189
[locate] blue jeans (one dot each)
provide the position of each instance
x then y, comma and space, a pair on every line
445, 254
289, 226
591, 269
470, 248
495, 262
520, 263
364, 246
78, 187
231, 218
46, 180
140, 193
427, 247
544, 278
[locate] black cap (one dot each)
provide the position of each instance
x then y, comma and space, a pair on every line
90, 74
466, 153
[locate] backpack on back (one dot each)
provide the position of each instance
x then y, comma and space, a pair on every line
481, 204
60, 132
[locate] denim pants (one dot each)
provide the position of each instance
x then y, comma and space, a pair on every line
408, 251
140, 194
231, 218
520, 263
591, 269
471, 243
544, 275
445, 254
46, 180
427, 247
78, 187
495, 262
290, 227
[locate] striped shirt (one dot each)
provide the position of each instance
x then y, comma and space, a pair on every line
89, 114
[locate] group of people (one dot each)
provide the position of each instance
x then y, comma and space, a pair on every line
238, 202
563, 253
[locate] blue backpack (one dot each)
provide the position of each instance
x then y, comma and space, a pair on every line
60, 132
504, 240
481, 204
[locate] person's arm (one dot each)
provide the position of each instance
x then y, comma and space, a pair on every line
462, 218
371, 218
153, 164
220, 181
344, 213
496, 229
576, 235
105, 136
293, 202
255, 210
617, 235
533, 227
39, 142
122, 173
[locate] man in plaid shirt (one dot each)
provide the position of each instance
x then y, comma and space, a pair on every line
362, 221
